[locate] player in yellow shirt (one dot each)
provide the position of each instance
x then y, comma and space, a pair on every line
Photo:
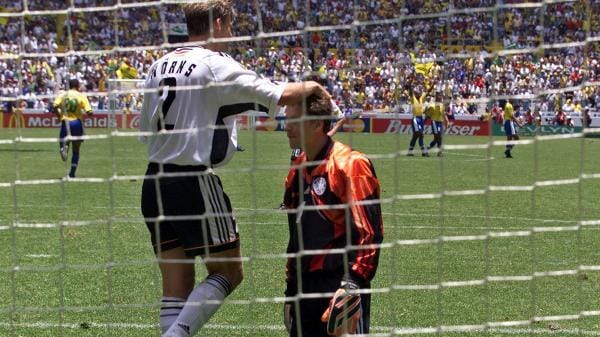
439, 122
509, 127
417, 102
70, 107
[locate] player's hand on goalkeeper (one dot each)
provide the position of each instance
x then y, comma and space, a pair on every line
343, 312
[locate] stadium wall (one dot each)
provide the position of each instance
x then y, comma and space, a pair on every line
375, 124
399, 123
49, 120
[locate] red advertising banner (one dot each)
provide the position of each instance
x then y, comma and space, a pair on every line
51, 121
130, 121
455, 128
278, 124
369, 124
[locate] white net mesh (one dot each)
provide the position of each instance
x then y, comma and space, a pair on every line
473, 244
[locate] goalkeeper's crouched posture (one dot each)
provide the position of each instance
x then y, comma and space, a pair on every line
328, 290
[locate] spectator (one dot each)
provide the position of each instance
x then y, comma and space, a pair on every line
365, 67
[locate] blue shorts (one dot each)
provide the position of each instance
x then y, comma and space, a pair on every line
509, 128
72, 128
417, 124
437, 127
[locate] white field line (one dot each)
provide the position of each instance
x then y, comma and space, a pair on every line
269, 210
265, 327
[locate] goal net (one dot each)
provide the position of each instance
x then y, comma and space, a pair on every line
125, 95
474, 243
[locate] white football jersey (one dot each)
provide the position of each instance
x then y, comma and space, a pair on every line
194, 95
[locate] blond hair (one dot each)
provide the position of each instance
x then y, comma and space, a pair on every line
198, 15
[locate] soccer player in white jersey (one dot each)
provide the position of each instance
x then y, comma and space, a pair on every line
192, 97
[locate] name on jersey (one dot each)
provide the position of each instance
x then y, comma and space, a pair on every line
173, 67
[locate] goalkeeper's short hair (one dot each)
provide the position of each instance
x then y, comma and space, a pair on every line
319, 106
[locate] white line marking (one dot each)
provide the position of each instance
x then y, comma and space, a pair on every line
265, 327
36, 256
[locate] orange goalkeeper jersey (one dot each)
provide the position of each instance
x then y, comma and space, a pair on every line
337, 206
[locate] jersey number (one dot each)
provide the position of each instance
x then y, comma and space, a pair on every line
69, 105
170, 83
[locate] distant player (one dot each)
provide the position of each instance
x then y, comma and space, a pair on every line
417, 102
69, 107
569, 110
439, 122
509, 127
586, 118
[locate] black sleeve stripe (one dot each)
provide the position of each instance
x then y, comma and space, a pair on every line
236, 109
221, 136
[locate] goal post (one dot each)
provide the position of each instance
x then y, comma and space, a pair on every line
124, 95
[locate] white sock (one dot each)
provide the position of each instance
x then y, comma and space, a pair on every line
169, 311
197, 311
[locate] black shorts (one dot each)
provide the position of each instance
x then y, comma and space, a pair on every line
311, 309
196, 212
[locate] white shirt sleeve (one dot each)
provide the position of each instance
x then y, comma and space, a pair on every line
336, 111
241, 86
147, 104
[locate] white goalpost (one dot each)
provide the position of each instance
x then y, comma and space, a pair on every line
125, 95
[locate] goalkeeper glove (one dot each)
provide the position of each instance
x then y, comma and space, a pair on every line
343, 312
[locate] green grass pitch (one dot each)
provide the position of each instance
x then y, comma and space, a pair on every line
95, 276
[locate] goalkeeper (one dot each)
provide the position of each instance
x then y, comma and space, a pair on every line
333, 203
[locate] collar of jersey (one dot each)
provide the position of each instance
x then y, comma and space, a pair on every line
321, 155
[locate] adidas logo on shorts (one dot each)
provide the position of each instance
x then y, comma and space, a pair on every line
184, 327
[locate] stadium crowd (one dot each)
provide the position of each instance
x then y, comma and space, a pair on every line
368, 63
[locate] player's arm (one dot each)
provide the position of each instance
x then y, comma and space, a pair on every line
450, 110
445, 117
291, 199
428, 111
336, 111
291, 288
338, 124
344, 310
56, 105
85, 105
294, 93
411, 92
429, 88
516, 120
149, 108
367, 224
241, 86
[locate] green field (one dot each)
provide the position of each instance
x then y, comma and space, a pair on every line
79, 263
